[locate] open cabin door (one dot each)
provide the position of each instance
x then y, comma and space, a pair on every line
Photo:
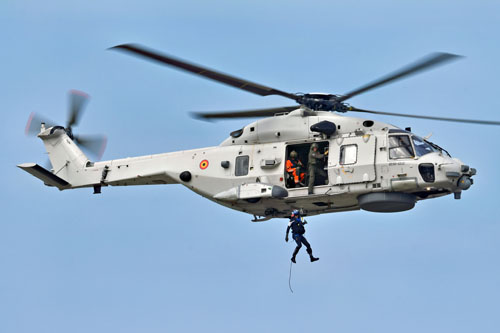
352, 160
298, 169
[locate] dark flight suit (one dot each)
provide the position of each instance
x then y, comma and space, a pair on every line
314, 167
297, 225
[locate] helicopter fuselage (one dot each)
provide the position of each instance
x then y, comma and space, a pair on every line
368, 165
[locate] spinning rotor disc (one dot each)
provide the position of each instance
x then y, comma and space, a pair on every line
316, 102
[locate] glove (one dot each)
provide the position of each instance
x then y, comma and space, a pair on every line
326, 152
286, 239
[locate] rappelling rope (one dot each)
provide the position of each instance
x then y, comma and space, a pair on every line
290, 278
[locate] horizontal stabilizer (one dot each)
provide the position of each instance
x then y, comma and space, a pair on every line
44, 175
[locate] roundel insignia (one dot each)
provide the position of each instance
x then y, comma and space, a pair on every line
204, 164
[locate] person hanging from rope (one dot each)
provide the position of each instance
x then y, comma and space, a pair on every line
297, 225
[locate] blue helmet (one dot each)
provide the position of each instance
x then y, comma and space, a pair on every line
295, 212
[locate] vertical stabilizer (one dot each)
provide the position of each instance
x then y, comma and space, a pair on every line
66, 158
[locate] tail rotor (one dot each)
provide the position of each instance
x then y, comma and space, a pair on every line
94, 145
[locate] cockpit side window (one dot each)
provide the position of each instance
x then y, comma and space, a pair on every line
400, 147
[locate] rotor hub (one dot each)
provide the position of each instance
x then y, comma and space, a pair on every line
322, 102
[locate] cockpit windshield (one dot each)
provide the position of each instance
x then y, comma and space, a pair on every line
422, 147
400, 146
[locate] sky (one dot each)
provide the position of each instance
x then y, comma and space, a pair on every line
161, 258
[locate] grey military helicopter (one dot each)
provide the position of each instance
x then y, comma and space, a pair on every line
365, 164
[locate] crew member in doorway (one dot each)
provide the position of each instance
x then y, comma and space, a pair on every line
294, 167
315, 166
297, 225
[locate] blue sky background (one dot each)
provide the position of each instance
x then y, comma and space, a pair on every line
161, 258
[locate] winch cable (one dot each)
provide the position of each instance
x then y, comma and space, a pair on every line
290, 278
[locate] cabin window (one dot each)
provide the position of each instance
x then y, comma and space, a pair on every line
241, 165
400, 147
348, 154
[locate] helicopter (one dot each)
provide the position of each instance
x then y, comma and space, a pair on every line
365, 164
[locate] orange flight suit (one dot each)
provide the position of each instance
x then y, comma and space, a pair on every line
291, 167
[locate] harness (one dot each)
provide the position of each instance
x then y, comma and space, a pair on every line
297, 227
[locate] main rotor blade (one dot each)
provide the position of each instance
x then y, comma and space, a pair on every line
77, 101
34, 123
244, 113
432, 60
457, 120
203, 71
93, 144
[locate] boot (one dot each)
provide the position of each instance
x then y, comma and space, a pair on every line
294, 255
313, 259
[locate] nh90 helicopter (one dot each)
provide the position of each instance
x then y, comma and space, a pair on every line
366, 164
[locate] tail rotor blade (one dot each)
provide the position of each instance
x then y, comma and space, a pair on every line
93, 144
34, 123
77, 102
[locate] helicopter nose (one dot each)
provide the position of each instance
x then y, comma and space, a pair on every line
464, 182
459, 174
